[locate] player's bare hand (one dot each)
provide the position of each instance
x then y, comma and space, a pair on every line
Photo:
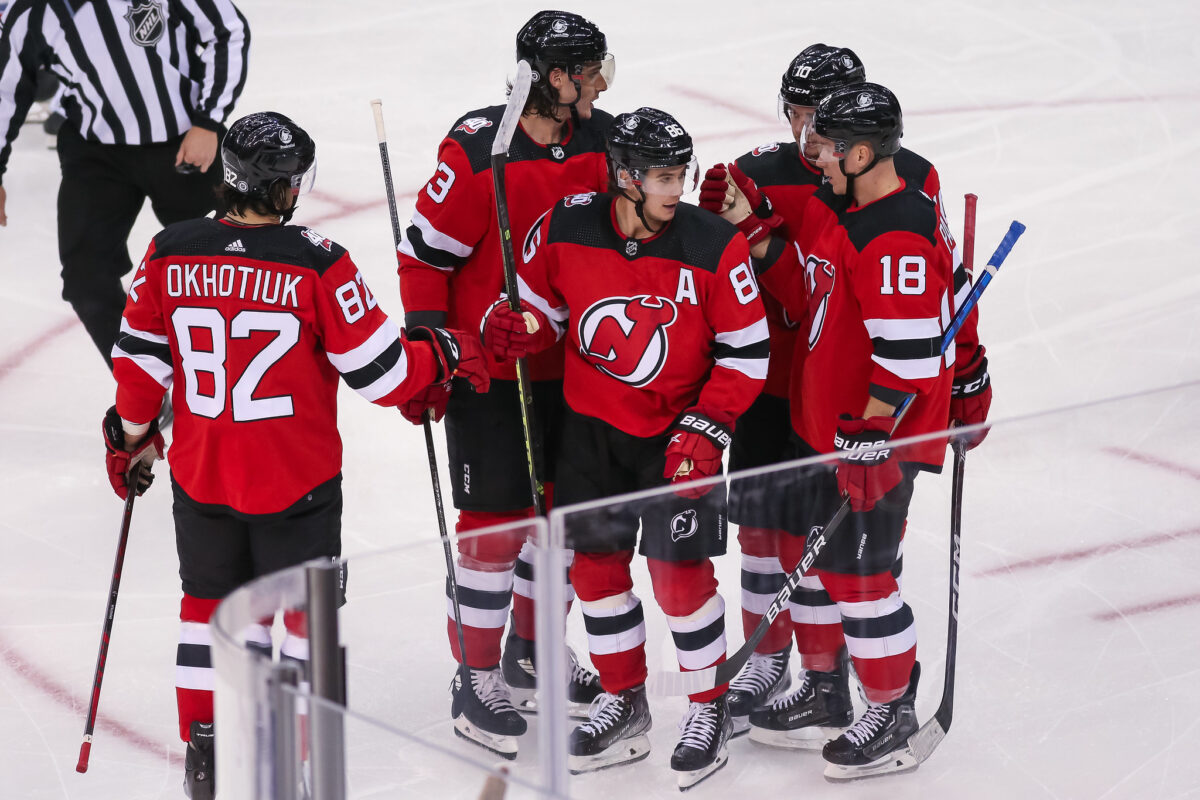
3, 197
199, 148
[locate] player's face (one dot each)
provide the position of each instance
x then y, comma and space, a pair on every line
830, 155
663, 187
798, 118
597, 76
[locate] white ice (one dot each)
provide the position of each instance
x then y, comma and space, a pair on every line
1080, 621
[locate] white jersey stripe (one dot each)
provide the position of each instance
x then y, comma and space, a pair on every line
899, 329
383, 338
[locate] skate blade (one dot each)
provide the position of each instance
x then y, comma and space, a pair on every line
626, 751
525, 701
687, 780
503, 746
894, 763
810, 738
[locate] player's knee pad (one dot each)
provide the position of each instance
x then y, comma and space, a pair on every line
496, 547
682, 587
599, 575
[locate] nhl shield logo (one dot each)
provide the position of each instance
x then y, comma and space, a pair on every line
146, 23
556, 152
631, 248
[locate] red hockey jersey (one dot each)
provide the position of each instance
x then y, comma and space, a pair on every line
652, 326
449, 259
251, 326
879, 295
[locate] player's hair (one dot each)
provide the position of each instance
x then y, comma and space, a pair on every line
278, 201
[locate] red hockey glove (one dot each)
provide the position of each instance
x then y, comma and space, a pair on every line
714, 190
865, 477
694, 452
120, 462
762, 220
506, 333
458, 355
971, 396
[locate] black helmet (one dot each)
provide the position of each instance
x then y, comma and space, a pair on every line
817, 71
646, 139
866, 112
261, 149
559, 39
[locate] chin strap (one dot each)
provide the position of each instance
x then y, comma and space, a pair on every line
850, 177
638, 206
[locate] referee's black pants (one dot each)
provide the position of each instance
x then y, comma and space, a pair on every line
102, 191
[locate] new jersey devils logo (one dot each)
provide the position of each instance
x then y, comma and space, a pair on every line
474, 125
626, 337
819, 274
684, 525
764, 148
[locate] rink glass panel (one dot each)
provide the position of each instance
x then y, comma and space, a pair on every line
1054, 505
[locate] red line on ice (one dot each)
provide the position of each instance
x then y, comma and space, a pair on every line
1154, 461
1147, 608
1090, 552
61, 695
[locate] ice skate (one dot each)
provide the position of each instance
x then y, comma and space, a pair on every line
199, 764
878, 743
517, 665
484, 714
817, 711
705, 729
615, 732
764, 678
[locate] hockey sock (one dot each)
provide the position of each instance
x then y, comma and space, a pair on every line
484, 575
879, 630
816, 618
762, 578
687, 593
524, 611
612, 616
194, 679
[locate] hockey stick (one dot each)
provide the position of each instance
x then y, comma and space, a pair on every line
451, 583
508, 126
85, 749
676, 683
930, 735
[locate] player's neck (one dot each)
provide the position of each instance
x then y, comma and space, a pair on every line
628, 221
544, 130
880, 181
252, 218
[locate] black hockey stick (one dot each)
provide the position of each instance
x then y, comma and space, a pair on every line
676, 683
85, 749
930, 735
451, 583
508, 126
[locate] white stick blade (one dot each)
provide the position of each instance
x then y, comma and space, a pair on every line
512, 112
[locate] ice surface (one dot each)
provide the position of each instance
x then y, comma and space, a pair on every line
1080, 630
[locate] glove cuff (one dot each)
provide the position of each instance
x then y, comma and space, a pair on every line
695, 421
973, 378
445, 349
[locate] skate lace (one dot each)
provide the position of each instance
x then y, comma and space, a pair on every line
790, 699
870, 724
759, 673
604, 712
698, 726
491, 690
579, 673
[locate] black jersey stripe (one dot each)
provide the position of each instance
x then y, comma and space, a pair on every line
383, 363
137, 346
903, 349
759, 349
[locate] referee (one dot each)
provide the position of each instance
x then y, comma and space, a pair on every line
148, 86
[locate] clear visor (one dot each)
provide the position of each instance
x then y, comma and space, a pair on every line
662, 181
792, 114
817, 148
303, 183
594, 71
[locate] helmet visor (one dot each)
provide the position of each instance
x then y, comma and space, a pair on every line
817, 148
603, 70
665, 181
302, 182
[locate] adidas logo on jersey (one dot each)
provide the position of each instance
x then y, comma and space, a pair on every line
235, 246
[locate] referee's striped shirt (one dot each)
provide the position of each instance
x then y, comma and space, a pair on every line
134, 72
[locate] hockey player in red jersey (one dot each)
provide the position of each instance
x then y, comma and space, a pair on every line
876, 288
666, 345
249, 322
786, 177
450, 272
